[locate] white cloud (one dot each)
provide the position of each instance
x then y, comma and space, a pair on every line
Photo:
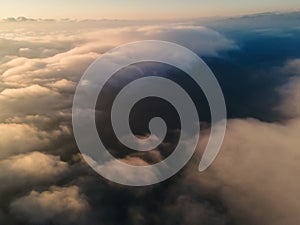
22, 137
292, 66
35, 83
18, 138
40, 54
24, 170
33, 100
200, 39
115, 170
41, 68
256, 172
59, 205
63, 85
290, 92
30, 91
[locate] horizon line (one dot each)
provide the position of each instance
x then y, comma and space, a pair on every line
33, 19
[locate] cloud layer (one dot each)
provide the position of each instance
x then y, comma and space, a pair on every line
58, 205
45, 181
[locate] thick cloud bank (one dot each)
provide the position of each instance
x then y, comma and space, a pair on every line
45, 181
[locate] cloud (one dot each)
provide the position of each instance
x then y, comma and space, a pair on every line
40, 68
292, 67
269, 23
114, 169
63, 85
18, 138
18, 19
253, 180
23, 170
58, 205
25, 137
204, 41
187, 210
20, 101
290, 91
37, 53
290, 105
256, 172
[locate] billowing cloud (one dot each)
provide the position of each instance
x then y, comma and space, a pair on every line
26, 169
293, 66
257, 168
204, 41
22, 137
290, 92
18, 138
256, 172
253, 180
59, 205
290, 106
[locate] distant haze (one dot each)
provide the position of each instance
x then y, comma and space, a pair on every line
134, 9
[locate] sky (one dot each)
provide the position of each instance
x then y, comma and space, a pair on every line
136, 9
